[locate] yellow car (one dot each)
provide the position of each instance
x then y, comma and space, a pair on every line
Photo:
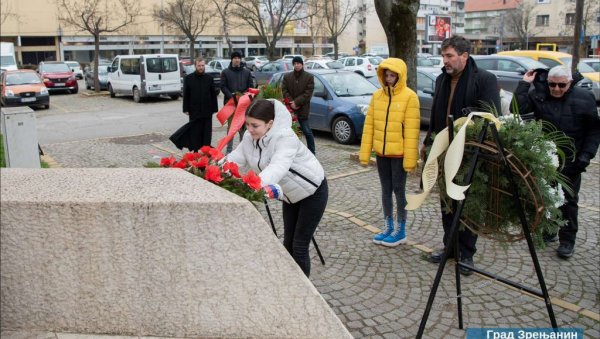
551, 59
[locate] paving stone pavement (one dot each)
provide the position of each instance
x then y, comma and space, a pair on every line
381, 292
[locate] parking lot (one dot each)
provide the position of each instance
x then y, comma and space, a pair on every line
377, 292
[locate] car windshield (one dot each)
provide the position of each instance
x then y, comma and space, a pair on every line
375, 61
56, 68
22, 79
72, 64
581, 67
334, 65
349, 84
102, 69
532, 64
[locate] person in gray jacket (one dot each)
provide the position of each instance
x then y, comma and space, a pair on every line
288, 172
235, 79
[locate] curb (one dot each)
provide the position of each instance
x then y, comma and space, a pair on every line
89, 93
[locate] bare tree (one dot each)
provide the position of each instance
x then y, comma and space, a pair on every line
97, 17
269, 18
520, 20
315, 21
188, 16
338, 14
5, 12
223, 9
567, 27
399, 21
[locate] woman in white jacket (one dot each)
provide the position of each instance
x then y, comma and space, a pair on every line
288, 171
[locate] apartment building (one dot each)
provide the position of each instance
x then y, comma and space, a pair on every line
38, 35
491, 25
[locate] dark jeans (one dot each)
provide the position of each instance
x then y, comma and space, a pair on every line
300, 220
203, 131
310, 139
393, 179
466, 238
569, 210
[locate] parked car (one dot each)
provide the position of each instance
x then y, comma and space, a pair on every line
255, 62
366, 67
219, 64
263, 75
23, 88
594, 63
436, 60
508, 69
145, 75
102, 77
425, 88
339, 103
323, 64
551, 59
189, 69
424, 62
75, 68
340, 55
58, 76
292, 56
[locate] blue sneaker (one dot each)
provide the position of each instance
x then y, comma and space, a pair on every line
397, 237
389, 222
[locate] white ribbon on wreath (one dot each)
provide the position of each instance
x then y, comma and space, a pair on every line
452, 161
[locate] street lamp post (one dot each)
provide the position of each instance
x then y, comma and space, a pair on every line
162, 29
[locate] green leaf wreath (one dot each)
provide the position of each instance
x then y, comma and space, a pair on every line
489, 208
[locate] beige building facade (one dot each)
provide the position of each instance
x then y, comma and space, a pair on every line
38, 35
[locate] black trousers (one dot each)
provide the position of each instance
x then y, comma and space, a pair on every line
466, 238
201, 133
300, 220
570, 209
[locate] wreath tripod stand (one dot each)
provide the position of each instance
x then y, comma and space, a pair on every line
453, 246
275, 231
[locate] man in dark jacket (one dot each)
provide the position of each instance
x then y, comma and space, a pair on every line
460, 87
572, 110
200, 103
297, 87
235, 79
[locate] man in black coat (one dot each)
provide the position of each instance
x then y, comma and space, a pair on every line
460, 87
297, 87
200, 103
572, 110
235, 79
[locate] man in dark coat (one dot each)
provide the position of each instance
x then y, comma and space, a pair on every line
200, 103
572, 110
297, 87
235, 79
460, 86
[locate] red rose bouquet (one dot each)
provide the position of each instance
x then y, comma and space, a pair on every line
208, 165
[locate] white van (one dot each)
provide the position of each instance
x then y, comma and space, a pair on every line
147, 75
7, 56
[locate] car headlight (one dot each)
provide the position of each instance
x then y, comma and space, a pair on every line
9, 93
44, 91
363, 108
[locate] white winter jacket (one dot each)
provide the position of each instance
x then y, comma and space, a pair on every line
281, 158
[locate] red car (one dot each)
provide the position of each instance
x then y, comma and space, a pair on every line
58, 76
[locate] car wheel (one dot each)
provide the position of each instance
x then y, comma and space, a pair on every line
343, 130
174, 96
136, 95
110, 90
254, 68
47, 106
74, 91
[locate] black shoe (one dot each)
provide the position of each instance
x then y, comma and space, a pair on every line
565, 250
436, 257
464, 270
548, 238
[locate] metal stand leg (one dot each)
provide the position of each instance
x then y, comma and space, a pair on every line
275, 231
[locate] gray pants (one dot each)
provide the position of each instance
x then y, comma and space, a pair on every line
393, 179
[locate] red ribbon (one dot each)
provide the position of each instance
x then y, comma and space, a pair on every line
238, 109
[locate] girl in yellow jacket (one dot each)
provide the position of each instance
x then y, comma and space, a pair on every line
392, 130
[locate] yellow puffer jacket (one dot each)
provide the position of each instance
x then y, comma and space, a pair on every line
393, 121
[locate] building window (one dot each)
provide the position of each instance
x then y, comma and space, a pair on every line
542, 20
570, 19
